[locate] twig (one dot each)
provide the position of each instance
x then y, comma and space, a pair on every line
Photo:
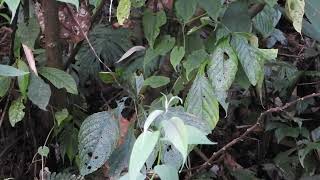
248, 131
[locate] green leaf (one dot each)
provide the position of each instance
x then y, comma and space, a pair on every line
312, 11
28, 32
10, 71
196, 136
62, 115
123, 10
248, 58
39, 92
107, 77
137, 3
13, 6
194, 60
156, 81
236, 18
43, 151
16, 112
176, 133
4, 85
145, 143
23, 81
264, 21
213, 7
281, 133
295, 11
152, 23
185, 9
74, 2
222, 70
98, 137
176, 56
59, 79
302, 153
166, 172
69, 142
202, 102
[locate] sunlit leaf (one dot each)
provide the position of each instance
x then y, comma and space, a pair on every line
123, 10
295, 11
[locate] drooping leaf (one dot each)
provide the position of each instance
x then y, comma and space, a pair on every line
156, 81
145, 143
295, 11
152, 23
4, 85
222, 70
130, 52
98, 137
185, 9
176, 133
166, 172
10, 71
59, 79
302, 153
236, 18
43, 151
171, 156
16, 111
196, 136
69, 142
176, 56
123, 10
213, 7
23, 81
28, 32
39, 92
194, 60
74, 2
13, 6
151, 117
201, 101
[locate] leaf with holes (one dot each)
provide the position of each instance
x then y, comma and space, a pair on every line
59, 79
295, 11
202, 102
16, 112
123, 10
98, 137
222, 70
10, 71
152, 23
39, 92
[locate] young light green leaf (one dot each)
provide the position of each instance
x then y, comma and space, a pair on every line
98, 137
4, 85
123, 10
59, 79
185, 9
74, 2
107, 77
16, 112
156, 81
23, 81
201, 101
213, 7
176, 132
194, 60
176, 56
196, 136
152, 23
43, 151
145, 143
62, 115
39, 92
13, 6
10, 71
295, 11
166, 172
222, 70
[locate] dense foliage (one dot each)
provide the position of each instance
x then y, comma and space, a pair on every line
159, 89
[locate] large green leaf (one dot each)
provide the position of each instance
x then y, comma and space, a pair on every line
264, 21
213, 7
23, 81
10, 71
222, 70
166, 172
202, 102
4, 85
248, 58
185, 9
74, 2
123, 10
39, 92
236, 17
295, 11
16, 112
98, 137
152, 23
59, 79
142, 149
194, 60
28, 33
156, 81
13, 6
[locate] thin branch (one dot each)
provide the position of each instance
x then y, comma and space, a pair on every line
248, 131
